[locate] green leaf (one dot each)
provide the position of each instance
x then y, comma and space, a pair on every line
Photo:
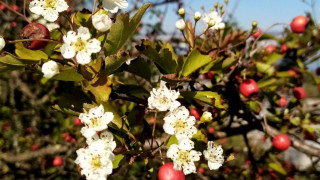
271, 81
24, 53
162, 54
68, 74
13, 61
208, 97
194, 61
117, 120
81, 19
255, 106
142, 68
123, 29
278, 168
199, 136
172, 140
265, 68
117, 160
113, 62
273, 57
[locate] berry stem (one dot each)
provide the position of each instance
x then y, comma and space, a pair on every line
153, 129
16, 12
26, 40
24, 7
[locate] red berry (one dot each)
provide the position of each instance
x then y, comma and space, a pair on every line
200, 170
227, 170
34, 147
282, 102
273, 174
2, 7
210, 75
65, 135
57, 161
68, 138
152, 120
77, 121
195, 112
35, 31
260, 171
298, 24
292, 72
248, 162
257, 33
223, 141
281, 141
167, 172
249, 87
14, 7
299, 92
284, 48
232, 67
13, 24
318, 71
270, 49
210, 130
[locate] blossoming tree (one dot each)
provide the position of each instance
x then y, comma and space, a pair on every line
140, 102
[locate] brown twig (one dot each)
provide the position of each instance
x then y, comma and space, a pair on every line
16, 12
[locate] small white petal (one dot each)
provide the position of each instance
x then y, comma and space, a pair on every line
83, 33
83, 57
49, 69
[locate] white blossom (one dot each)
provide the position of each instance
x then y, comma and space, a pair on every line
114, 5
214, 156
183, 156
180, 24
197, 15
49, 9
2, 43
50, 68
214, 20
180, 123
95, 161
95, 120
50, 25
163, 99
101, 22
79, 45
106, 137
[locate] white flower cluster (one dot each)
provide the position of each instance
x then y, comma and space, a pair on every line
95, 160
50, 25
49, 69
79, 45
49, 9
213, 20
178, 122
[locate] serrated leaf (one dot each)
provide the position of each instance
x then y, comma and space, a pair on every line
273, 57
271, 81
117, 160
24, 53
265, 68
172, 140
278, 168
208, 97
113, 62
194, 61
123, 29
68, 74
162, 54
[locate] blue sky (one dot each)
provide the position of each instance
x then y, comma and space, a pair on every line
266, 12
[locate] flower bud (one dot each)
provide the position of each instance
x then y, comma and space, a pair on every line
221, 26
226, 1
206, 117
211, 23
222, 11
221, 6
49, 69
181, 11
254, 24
197, 16
180, 24
101, 22
216, 4
2, 43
